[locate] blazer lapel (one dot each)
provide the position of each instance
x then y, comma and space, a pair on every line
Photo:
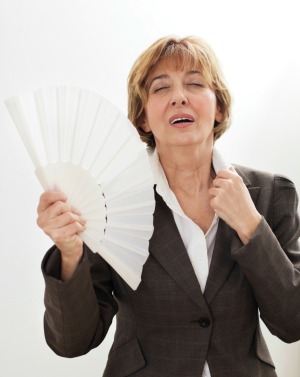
226, 241
221, 263
167, 247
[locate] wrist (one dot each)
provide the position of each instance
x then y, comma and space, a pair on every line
248, 229
70, 262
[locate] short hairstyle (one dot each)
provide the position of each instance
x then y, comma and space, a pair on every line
188, 52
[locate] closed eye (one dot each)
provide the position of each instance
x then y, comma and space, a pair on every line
160, 88
196, 84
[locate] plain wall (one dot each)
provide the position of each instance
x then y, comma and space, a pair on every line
93, 43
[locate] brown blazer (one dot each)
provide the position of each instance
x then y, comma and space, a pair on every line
167, 327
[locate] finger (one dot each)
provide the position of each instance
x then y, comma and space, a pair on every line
48, 198
64, 220
61, 235
59, 208
58, 215
222, 182
217, 182
214, 191
225, 173
214, 203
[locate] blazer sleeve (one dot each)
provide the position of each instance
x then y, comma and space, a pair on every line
271, 262
79, 311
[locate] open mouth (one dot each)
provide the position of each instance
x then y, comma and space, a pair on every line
181, 120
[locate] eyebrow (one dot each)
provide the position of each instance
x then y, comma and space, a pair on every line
194, 72
165, 76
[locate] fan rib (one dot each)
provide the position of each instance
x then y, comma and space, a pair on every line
15, 109
95, 157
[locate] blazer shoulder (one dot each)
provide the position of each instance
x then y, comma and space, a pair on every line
256, 177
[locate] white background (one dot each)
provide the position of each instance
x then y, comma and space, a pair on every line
93, 43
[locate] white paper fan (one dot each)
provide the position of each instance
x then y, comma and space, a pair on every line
85, 147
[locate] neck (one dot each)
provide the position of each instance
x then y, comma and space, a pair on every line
187, 169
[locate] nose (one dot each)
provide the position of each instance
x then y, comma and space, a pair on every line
175, 102
179, 98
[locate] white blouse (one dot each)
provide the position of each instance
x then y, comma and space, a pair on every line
199, 246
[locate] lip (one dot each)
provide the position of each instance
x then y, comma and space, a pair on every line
182, 124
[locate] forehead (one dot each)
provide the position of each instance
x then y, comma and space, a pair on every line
176, 64
171, 65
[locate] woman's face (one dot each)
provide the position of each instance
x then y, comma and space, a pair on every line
181, 109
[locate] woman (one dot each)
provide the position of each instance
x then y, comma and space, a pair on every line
225, 242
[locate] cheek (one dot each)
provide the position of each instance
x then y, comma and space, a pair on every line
211, 99
209, 104
153, 112
147, 120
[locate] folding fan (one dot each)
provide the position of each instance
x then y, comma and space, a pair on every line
85, 147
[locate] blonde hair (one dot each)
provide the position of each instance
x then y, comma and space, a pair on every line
184, 52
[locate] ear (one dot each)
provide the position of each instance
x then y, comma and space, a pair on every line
219, 115
145, 125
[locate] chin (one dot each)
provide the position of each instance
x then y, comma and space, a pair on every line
186, 140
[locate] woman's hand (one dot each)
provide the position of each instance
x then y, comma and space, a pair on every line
232, 202
62, 223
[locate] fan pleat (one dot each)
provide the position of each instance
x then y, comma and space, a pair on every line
82, 145
124, 226
17, 113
